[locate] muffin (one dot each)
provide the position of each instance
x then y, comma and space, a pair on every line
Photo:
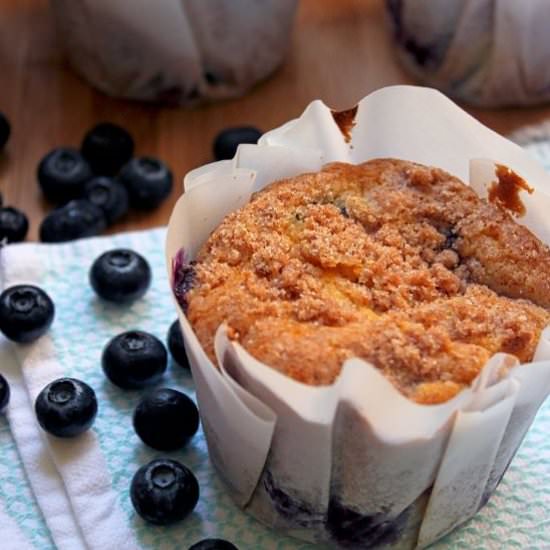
389, 261
320, 444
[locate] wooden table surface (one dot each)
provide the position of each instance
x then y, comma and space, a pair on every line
339, 52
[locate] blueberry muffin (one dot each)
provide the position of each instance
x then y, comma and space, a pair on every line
390, 261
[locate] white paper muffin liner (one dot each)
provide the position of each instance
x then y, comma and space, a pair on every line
356, 464
484, 52
177, 51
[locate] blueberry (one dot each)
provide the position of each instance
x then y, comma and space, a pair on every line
107, 147
227, 141
75, 220
164, 491
109, 195
62, 174
134, 359
351, 529
148, 181
213, 544
120, 275
66, 407
183, 279
5, 130
13, 225
212, 77
4, 393
176, 345
26, 312
290, 507
166, 419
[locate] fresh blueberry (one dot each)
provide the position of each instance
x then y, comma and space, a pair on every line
5, 130
75, 220
26, 312
62, 174
134, 359
164, 491
13, 225
213, 544
176, 345
4, 393
120, 275
109, 195
166, 419
227, 141
107, 147
66, 407
148, 181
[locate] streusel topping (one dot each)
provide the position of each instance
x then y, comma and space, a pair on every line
396, 263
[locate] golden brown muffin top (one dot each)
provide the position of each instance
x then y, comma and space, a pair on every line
390, 261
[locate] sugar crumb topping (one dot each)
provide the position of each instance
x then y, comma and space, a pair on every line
394, 262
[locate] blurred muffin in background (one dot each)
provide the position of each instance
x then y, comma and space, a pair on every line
484, 52
178, 51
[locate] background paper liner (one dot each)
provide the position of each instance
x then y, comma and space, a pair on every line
180, 51
481, 51
357, 464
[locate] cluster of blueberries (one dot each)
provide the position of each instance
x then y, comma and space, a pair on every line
163, 491
95, 186
92, 188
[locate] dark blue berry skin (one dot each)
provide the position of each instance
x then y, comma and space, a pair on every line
26, 313
66, 407
183, 278
134, 359
4, 393
109, 195
75, 220
13, 225
107, 147
62, 174
5, 130
213, 544
148, 182
120, 276
166, 419
176, 345
350, 528
293, 509
164, 491
227, 141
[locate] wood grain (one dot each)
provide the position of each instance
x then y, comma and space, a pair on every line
339, 52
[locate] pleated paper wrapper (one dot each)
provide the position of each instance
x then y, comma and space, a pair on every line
356, 464
176, 51
484, 52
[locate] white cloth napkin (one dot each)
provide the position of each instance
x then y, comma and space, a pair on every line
12, 536
40, 470
69, 477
